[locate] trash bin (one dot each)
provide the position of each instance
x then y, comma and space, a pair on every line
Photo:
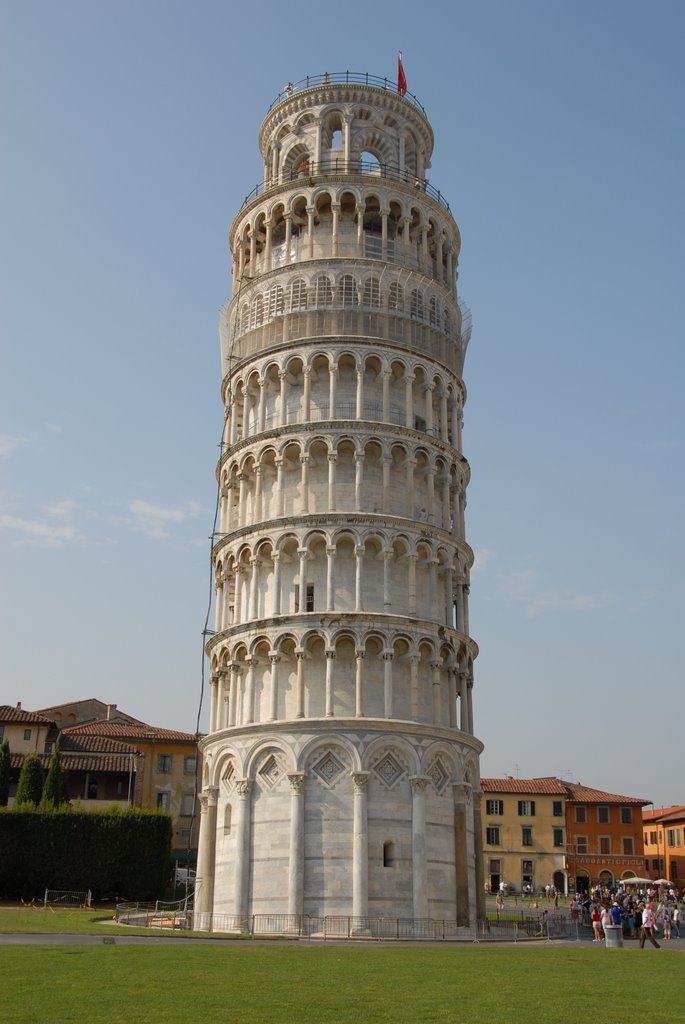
613, 934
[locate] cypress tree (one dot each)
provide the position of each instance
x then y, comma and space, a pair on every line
4, 773
53, 790
30, 785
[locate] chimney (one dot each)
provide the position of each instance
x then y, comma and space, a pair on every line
18, 705
110, 709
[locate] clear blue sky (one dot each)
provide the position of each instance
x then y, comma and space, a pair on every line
129, 139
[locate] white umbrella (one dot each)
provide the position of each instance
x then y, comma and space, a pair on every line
636, 881
662, 881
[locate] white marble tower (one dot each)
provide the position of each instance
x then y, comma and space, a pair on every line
341, 771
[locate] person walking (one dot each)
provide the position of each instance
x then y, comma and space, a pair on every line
676, 922
647, 929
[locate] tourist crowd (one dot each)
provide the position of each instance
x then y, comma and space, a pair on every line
641, 914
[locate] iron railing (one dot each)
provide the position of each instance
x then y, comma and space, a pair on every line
344, 168
344, 78
339, 927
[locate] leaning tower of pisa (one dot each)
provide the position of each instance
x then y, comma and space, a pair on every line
341, 770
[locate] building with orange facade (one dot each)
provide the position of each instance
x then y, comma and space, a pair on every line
604, 837
664, 842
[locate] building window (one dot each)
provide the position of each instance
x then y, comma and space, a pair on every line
527, 875
309, 599
604, 843
92, 789
492, 835
581, 844
48, 746
27, 734
652, 838
581, 813
187, 804
558, 809
626, 815
670, 836
164, 801
646, 838
655, 864
189, 764
603, 815
2, 733
494, 806
628, 848
496, 867
527, 836
526, 808
164, 763
388, 855
677, 837
558, 837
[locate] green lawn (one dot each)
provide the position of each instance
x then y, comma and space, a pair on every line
250, 983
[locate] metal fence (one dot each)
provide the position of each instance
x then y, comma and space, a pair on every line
158, 915
66, 898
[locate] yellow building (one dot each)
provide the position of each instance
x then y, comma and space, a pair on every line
524, 834
664, 842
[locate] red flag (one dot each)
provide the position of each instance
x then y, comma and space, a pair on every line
401, 77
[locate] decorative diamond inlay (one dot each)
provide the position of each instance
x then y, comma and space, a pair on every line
438, 775
271, 771
228, 777
328, 768
389, 770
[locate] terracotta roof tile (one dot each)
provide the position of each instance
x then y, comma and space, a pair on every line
83, 762
125, 730
543, 787
94, 744
674, 813
586, 795
12, 714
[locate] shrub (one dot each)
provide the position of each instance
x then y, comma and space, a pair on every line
30, 785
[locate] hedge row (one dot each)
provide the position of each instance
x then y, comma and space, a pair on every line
121, 855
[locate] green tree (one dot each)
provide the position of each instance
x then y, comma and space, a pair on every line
30, 785
4, 773
54, 790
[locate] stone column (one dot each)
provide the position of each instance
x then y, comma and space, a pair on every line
465, 592
233, 693
253, 253
452, 676
304, 482
443, 415
469, 701
330, 658
288, 217
461, 860
360, 394
332, 382
280, 489
262, 403
242, 477
358, 583
411, 466
386, 395
384, 233
214, 701
449, 595
387, 466
253, 609
307, 393
296, 861
418, 844
335, 210
429, 408
276, 603
302, 590
219, 585
413, 559
464, 711
360, 848
248, 710
387, 581
358, 480
258, 494
310, 230
242, 847
274, 659
430, 480
300, 655
358, 684
446, 511
204, 883
332, 459
238, 573
437, 703
361, 207
283, 411
414, 684
330, 578
409, 401
387, 683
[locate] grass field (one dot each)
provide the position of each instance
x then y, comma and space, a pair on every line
249, 983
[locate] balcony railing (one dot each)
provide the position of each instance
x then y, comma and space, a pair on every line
337, 168
344, 78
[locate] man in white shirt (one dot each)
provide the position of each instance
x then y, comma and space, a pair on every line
648, 924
